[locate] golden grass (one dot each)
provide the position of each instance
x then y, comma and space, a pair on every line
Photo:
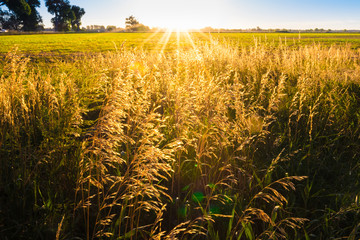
150, 145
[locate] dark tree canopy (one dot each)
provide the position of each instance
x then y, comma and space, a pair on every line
131, 21
9, 20
61, 9
17, 6
22, 15
78, 13
66, 16
31, 21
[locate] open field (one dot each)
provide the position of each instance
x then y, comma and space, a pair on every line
233, 136
62, 44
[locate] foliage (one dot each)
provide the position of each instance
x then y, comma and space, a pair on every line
131, 21
133, 25
22, 15
111, 28
138, 28
9, 20
76, 21
66, 16
19, 7
32, 21
63, 14
211, 141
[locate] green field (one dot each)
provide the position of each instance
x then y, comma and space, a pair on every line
189, 136
63, 44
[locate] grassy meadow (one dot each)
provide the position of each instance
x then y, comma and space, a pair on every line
74, 43
180, 136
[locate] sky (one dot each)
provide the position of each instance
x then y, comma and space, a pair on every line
239, 14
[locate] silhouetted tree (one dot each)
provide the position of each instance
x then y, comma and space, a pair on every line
9, 20
32, 21
22, 14
131, 21
78, 13
60, 9
17, 6
110, 28
133, 25
65, 14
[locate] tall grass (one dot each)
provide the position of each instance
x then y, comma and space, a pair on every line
215, 142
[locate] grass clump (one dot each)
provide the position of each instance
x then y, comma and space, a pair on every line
202, 143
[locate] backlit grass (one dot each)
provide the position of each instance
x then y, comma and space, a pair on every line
210, 140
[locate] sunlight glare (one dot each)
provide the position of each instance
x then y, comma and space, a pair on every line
180, 15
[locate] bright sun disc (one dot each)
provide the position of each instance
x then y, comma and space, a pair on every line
181, 15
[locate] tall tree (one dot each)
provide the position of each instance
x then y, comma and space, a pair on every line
78, 13
17, 6
65, 14
32, 21
61, 9
22, 14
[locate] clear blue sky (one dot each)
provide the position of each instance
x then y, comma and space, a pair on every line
295, 14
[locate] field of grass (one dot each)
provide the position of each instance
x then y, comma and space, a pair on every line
64, 44
231, 137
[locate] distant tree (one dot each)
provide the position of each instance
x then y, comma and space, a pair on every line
110, 28
61, 9
140, 28
66, 16
78, 13
97, 28
131, 22
133, 25
207, 29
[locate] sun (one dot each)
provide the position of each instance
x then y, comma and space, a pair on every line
180, 15
178, 24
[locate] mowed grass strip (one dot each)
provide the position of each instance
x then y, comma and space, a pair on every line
65, 44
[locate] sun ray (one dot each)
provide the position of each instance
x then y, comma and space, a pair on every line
191, 41
207, 36
160, 42
150, 37
165, 38
178, 48
178, 40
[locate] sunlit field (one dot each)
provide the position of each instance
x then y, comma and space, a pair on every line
180, 136
65, 44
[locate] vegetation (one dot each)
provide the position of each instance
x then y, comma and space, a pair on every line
133, 25
22, 15
207, 140
66, 16
55, 45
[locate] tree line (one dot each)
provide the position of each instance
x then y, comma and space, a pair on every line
23, 15
131, 25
